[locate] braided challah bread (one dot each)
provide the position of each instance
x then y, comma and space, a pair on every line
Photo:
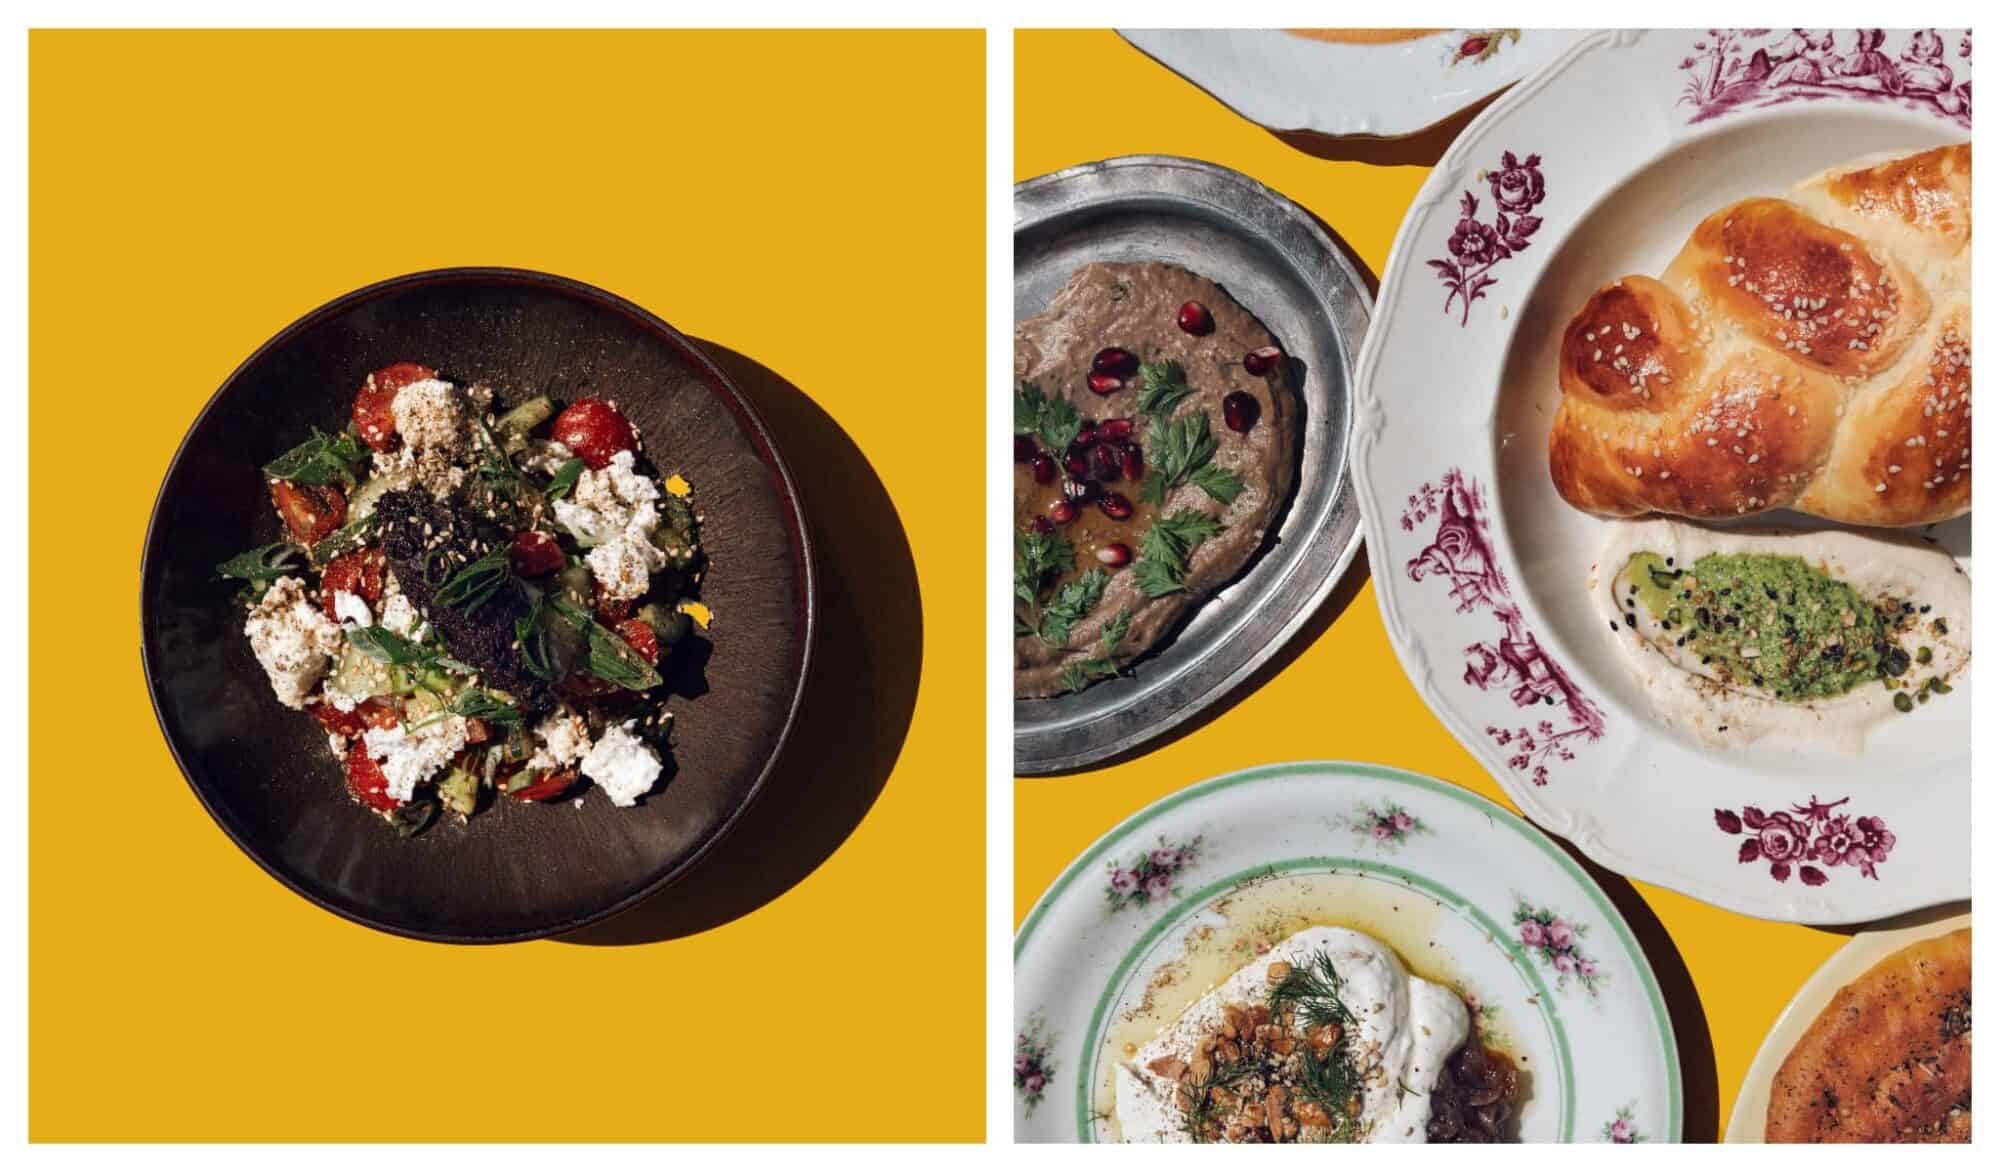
1812, 354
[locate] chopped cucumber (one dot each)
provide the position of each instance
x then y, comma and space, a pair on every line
361, 505
526, 417
459, 790
669, 626
346, 539
359, 676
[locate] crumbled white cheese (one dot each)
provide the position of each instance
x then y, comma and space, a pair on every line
564, 737
614, 509
399, 614
413, 755
292, 639
435, 420
546, 456
352, 609
624, 566
622, 765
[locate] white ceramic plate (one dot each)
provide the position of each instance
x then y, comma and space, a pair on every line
1602, 164
1289, 82
1856, 957
1183, 891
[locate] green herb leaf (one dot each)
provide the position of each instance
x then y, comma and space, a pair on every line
1050, 419
1175, 448
322, 459
1114, 631
1080, 674
385, 646
1036, 556
346, 539
1077, 598
1222, 485
1162, 386
1163, 551
477, 583
565, 479
480, 704
611, 659
266, 563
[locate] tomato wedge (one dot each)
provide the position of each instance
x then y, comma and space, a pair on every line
595, 430
333, 720
310, 511
375, 402
358, 573
549, 785
535, 553
365, 780
639, 633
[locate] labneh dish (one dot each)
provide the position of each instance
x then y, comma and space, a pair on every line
1736, 635
1889, 1060
1155, 435
474, 600
1327, 1038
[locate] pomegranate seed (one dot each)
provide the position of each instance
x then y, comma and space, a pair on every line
1262, 360
1105, 462
1194, 318
1041, 525
1115, 506
1084, 435
1239, 411
1106, 384
1025, 449
1114, 555
1076, 466
1472, 47
1113, 361
1080, 490
1062, 512
1133, 464
1114, 429
1043, 468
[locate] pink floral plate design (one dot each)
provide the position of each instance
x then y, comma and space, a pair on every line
1439, 874
1595, 167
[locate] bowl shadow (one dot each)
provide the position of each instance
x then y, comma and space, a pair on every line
858, 699
1422, 149
1701, 1094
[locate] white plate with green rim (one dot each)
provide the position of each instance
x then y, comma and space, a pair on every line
1598, 167
1468, 894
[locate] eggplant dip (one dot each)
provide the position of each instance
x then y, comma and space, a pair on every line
1155, 431
1737, 635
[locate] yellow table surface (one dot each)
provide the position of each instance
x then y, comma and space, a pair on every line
771, 194
1081, 96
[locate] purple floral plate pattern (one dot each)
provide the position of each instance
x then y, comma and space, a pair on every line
1461, 554
1558, 942
1033, 1068
1742, 69
1477, 245
1152, 875
1808, 838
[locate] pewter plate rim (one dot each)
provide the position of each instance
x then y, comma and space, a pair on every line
1319, 532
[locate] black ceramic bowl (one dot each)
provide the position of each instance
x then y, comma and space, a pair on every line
515, 871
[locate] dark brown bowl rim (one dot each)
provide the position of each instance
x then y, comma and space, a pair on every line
805, 614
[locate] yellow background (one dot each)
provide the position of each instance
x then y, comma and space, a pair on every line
1347, 680
191, 194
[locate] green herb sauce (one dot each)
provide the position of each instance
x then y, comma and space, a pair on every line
1770, 621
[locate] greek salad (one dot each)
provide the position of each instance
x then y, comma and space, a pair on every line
476, 601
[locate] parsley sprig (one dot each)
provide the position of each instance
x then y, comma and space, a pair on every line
1163, 551
1049, 418
1073, 600
1162, 386
1179, 452
260, 567
1081, 674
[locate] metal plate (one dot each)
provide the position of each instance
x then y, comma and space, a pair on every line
1280, 264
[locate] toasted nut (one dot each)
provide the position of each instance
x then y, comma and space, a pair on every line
1167, 1067
1311, 1114
1279, 970
1274, 1112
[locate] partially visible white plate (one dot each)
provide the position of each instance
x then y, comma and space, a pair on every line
1463, 890
1598, 167
1289, 81
1857, 956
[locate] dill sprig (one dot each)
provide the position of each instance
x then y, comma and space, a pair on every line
1197, 1107
1329, 1079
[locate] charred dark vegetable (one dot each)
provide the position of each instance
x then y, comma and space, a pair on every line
437, 552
